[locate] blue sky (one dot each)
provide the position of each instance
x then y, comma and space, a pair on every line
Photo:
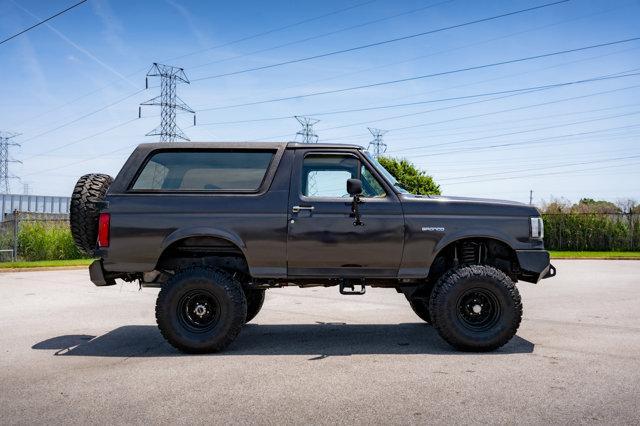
570, 141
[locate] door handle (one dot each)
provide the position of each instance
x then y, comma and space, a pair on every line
297, 209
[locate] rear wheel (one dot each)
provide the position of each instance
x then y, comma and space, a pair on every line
201, 310
475, 308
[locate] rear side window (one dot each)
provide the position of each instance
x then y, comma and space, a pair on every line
204, 171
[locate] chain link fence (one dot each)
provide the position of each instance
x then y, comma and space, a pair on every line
36, 236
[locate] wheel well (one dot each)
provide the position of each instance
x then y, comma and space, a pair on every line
203, 251
479, 251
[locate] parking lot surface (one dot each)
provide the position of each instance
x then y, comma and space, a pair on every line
75, 353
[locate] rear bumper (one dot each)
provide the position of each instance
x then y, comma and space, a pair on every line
98, 276
534, 265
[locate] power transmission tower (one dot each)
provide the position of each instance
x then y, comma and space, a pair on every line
376, 146
307, 133
168, 101
5, 143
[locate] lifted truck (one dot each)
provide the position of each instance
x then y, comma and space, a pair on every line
216, 224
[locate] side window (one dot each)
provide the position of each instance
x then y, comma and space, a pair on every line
204, 171
325, 175
370, 186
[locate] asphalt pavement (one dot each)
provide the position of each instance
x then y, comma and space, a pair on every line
75, 353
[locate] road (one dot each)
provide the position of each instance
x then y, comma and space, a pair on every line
75, 353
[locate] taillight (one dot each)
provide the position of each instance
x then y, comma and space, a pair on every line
103, 229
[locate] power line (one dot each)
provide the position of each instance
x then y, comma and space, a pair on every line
42, 22
199, 51
468, 45
592, 120
548, 174
81, 139
326, 34
526, 142
420, 77
478, 43
82, 116
380, 43
460, 118
486, 114
579, 163
453, 98
274, 30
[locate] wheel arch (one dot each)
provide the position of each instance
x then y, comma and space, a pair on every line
203, 246
490, 249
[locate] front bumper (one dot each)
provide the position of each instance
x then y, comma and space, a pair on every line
534, 265
98, 276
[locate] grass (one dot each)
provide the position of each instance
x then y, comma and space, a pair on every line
554, 255
595, 255
45, 263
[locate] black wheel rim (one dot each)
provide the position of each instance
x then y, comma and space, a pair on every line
478, 309
199, 311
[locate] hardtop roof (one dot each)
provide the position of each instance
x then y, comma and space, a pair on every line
241, 145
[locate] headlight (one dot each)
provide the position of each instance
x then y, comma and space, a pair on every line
537, 227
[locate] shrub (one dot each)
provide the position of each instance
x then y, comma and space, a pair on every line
46, 240
592, 231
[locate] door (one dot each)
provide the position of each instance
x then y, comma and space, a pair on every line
322, 238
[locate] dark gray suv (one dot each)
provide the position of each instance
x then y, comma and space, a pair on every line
216, 224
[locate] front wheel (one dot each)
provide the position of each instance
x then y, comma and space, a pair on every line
475, 308
201, 310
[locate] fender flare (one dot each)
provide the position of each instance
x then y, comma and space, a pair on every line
203, 231
487, 233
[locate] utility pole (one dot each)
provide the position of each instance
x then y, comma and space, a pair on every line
376, 146
307, 133
5, 143
531, 197
168, 101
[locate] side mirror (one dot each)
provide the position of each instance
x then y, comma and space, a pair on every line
354, 187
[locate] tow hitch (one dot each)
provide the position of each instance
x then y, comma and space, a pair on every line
348, 288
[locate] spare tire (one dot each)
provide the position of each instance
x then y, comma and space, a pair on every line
83, 212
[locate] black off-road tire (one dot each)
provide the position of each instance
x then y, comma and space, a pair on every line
475, 308
419, 302
255, 300
197, 290
83, 213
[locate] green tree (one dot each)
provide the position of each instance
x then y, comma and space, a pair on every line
589, 205
414, 180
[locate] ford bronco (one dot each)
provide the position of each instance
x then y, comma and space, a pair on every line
214, 225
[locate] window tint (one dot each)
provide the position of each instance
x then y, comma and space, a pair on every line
204, 171
326, 176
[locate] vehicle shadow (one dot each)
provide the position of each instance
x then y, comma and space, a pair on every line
320, 340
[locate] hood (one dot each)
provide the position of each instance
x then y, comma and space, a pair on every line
438, 204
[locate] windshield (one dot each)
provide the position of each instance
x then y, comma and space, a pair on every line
384, 172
